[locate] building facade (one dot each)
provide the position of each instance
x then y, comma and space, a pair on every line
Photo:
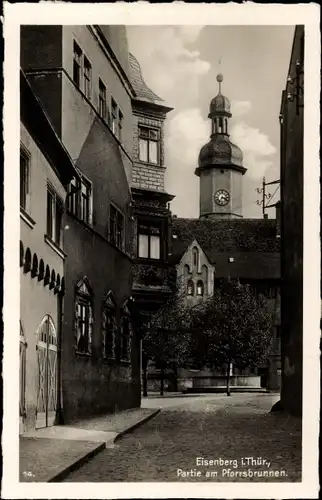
291, 119
221, 244
81, 76
46, 169
153, 278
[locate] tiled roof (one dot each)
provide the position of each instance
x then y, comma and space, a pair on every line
142, 91
252, 243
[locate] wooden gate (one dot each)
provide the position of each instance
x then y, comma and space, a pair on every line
22, 379
47, 373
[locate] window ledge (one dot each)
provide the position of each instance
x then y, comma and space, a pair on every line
109, 361
83, 354
26, 218
149, 164
125, 362
148, 260
55, 247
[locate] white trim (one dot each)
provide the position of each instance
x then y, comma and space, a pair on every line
26, 218
56, 249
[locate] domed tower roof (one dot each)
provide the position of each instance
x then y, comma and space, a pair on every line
219, 105
220, 151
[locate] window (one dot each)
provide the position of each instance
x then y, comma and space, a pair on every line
195, 256
109, 327
54, 216
116, 227
24, 180
190, 288
80, 199
271, 292
125, 347
200, 288
87, 78
85, 201
114, 117
149, 246
102, 109
84, 317
77, 64
120, 126
149, 145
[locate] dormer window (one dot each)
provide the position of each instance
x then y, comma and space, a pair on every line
149, 140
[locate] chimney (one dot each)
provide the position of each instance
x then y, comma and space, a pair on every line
278, 219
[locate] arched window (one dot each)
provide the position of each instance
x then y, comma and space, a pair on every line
195, 256
27, 264
221, 126
200, 288
41, 272
109, 327
34, 269
126, 334
190, 288
83, 317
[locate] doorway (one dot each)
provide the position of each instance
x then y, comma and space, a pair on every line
47, 373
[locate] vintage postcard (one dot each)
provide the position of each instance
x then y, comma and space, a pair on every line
162, 324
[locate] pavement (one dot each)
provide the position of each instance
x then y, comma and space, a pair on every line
245, 440
235, 429
49, 454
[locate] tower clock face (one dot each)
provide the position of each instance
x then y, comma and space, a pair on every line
222, 197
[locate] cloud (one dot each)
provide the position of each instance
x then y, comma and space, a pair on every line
169, 65
187, 131
240, 108
189, 34
256, 147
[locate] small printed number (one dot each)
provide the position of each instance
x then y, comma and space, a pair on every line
28, 473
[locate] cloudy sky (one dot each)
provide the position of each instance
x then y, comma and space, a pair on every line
180, 64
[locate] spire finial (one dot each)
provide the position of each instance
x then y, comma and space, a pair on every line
219, 80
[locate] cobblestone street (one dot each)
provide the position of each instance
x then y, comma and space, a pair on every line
214, 427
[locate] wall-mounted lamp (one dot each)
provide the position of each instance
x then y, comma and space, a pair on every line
298, 91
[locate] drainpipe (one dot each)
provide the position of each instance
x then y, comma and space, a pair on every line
59, 419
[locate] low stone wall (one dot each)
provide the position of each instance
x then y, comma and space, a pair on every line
204, 382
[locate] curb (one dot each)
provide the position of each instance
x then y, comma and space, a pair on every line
134, 426
100, 447
75, 465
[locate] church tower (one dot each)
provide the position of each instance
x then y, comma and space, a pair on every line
220, 165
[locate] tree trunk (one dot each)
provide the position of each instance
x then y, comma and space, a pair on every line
145, 382
228, 380
144, 375
175, 374
162, 381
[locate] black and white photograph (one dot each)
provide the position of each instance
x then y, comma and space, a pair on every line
167, 297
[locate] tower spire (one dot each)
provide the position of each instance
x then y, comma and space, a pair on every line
219, 80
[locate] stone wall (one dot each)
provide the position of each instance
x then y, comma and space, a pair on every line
147, 175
